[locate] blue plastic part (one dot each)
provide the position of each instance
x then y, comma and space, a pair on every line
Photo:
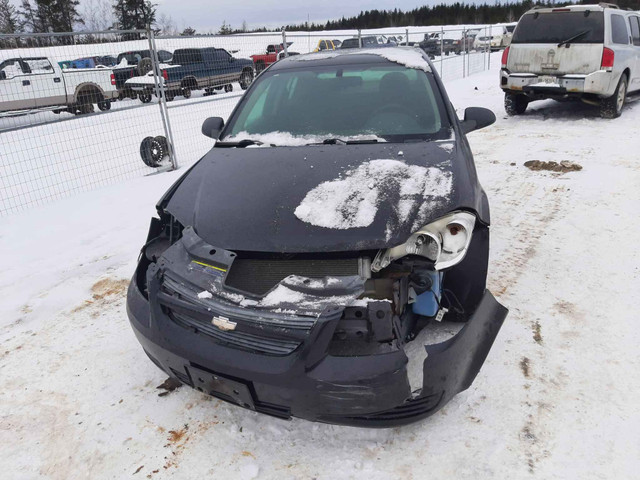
426, 303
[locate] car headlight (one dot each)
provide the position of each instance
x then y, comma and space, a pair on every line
444, 242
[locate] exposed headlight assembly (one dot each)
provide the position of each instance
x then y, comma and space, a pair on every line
445, 242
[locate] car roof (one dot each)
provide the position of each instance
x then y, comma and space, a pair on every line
577, 8
338, 57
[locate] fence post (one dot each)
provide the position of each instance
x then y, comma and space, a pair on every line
284, 42
160, 92
441, 49
406, 37
359, 38
489, 61
463, 51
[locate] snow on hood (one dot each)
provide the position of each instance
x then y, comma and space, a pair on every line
285, 139
409, 57
352, 200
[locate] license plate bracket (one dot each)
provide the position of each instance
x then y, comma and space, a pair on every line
222, 387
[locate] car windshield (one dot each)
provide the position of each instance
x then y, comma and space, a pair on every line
320, 103
557, 27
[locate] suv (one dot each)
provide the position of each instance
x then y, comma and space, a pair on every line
588, 52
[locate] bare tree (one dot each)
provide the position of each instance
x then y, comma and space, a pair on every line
244, 27
98, 15
165, 25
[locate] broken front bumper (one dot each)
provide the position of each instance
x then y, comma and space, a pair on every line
368, 390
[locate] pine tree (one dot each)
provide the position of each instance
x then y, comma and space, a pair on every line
134, 14
225, 29
9, 21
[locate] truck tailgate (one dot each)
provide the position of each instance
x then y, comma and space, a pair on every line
549, 59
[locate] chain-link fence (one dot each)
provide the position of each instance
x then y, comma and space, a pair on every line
83, 110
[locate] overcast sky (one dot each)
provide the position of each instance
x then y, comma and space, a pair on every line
204, 15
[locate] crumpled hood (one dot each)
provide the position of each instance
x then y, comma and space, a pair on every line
323, 198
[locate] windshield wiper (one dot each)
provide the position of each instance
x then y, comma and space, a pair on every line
340, 141
240, 144
575, 37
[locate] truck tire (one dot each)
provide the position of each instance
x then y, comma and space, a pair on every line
169, 95
145, 97
152, 152
260, 66
104, 105
228, 88
186, 92
515, 104
611, 107
245, 79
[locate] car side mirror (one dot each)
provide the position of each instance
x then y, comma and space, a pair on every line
476, 118
212, 127
3, 75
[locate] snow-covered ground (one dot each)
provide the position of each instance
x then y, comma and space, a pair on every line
556, 399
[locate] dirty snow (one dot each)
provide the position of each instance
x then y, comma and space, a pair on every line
556, 398
285, 139
352, 200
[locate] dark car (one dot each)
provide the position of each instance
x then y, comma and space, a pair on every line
435, 44
309, 277
369, 41
197, 69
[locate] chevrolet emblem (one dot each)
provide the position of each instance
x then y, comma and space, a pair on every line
223, 323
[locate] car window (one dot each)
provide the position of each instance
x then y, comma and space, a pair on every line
619, 33
11, 68
556, 27
388, 101
187, 56
350, 43
38, 66
634, 23
164, 56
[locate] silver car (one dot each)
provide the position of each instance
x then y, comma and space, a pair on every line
587, 52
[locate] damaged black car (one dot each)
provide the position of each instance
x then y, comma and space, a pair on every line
327, 259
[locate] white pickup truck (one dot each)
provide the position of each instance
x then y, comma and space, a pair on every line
36, 82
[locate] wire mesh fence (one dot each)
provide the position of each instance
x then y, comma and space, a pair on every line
83, 110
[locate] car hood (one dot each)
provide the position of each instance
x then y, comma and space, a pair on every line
322, 198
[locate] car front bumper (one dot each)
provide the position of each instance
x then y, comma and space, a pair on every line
600, 83
367, 390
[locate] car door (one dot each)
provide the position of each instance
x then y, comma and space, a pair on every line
14, 94
46, 82
634, 24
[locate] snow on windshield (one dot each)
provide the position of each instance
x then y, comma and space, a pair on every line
352, 201
285, 139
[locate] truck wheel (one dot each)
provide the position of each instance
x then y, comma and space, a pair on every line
169, 96
151, 151
515, 104
611, 107
245, 79
145, 97
260, 66
104, 105
186, 93
228, 88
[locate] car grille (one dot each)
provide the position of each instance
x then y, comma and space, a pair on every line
263, 332
258, 276
240, 340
